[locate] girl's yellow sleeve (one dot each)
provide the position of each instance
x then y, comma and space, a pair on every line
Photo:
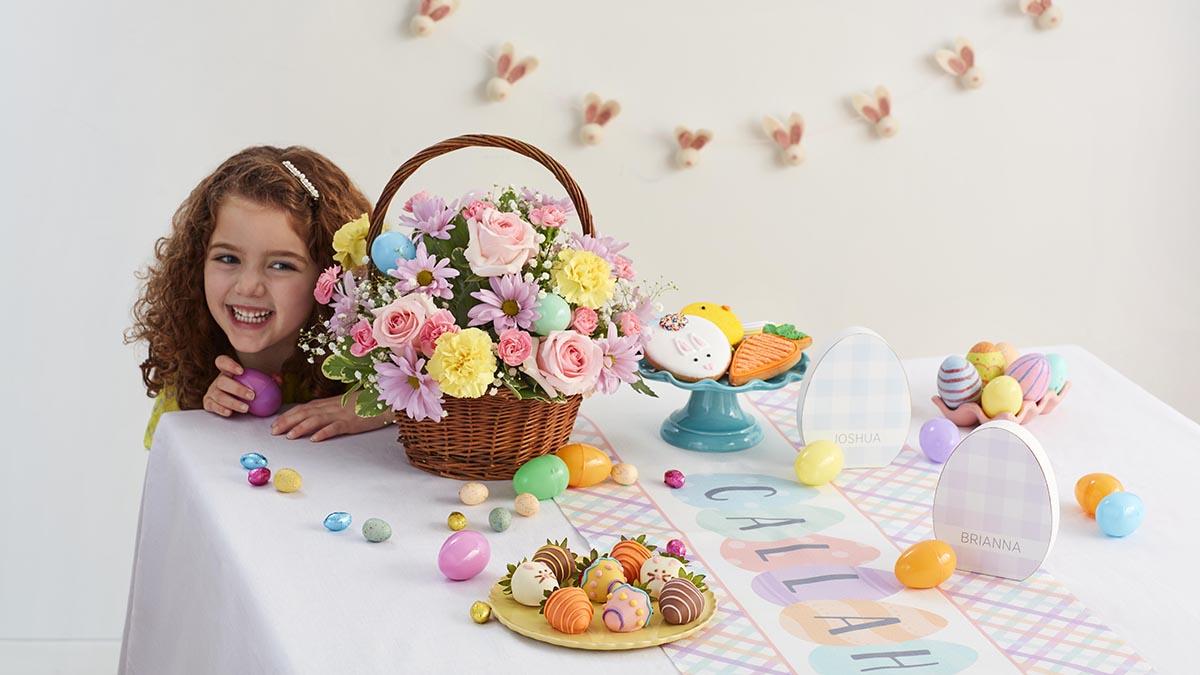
165, 402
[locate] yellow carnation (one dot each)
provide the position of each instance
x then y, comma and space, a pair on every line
463, 364
350, 242
583, 278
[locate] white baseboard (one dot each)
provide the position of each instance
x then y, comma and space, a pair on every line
59, 657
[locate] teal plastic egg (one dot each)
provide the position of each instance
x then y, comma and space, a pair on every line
1058, 372
553, 314
390, 248
1120, 513
500, 518
544, 477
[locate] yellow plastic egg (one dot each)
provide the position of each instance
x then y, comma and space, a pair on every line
480, 611
1093, 487
988, 360
287, 480
926, 564
1002, 395
586, 464
819, 462
721, 315
456, 521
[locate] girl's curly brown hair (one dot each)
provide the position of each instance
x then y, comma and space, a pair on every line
171, 314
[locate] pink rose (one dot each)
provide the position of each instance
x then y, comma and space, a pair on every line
325, 283
476, 209
438, 323
548, 216
565, 362
501, 243
623, 267
629, 323
364, 341
398, 325
515, 346
584, 320
420, 196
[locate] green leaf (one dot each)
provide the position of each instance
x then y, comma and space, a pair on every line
786, 330
349, 392
368, 404
341, 367
642, 388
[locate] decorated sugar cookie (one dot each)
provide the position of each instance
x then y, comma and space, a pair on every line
722, 315
691, 348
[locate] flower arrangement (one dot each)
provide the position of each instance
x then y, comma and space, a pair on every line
492, 292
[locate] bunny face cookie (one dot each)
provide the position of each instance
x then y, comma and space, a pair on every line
691, 348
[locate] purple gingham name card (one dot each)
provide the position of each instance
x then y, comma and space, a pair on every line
996, 502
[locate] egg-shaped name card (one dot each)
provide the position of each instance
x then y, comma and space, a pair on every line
996, 502
856, 394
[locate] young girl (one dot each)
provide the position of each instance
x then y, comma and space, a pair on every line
232, 288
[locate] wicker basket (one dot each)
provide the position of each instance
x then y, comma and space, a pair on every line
485, 438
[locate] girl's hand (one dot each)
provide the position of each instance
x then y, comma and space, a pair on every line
325, 418
226, 395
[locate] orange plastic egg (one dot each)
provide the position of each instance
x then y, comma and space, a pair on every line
926, 564
586, 464
1093, 487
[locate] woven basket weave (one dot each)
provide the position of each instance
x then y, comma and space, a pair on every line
489, 437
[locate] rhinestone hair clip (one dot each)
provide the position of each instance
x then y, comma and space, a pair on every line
312, 190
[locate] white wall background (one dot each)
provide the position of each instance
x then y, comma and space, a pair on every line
1058, 203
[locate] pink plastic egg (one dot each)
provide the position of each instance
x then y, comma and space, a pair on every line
267, 394
1032, 372
464, 554
259, 477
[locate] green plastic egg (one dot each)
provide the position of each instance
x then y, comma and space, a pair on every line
553, 314
544, 477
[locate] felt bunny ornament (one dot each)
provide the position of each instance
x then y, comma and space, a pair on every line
596, 114
961, 62
508, 72
430, 12
1048, 16
877, 110
787, 138
690, 145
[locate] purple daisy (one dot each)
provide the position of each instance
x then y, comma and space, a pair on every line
404, 386
620, 362
345, 306
430, 215
512, 303
605, 247
536, 199
424, 274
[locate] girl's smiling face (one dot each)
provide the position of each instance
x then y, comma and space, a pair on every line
258, 281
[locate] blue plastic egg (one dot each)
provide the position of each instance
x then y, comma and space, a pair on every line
1120, 513
390, 248
253, 460
337, 521
553, 314
1058, 372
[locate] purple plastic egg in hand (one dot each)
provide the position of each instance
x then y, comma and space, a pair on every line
464, 554
938, 439
267, 394
674, 478
675, 547
259, 477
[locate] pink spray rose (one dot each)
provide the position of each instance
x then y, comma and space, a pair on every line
548, 216
623, 268
629, 323
420, 196
438, 323
515, 346
565, 362
584, 320
500, 243
476, 209
398, 324
364, 340
323, 291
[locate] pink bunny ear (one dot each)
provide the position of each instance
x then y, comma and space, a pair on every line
950, 62
608, 111
697, 341
885, 101
775, 131
967, 54
865, 106
1033, 7
426, 5
591, 108
505, 61
525, 67
702, 138
683, 136
682, 346
795, 128
441, 12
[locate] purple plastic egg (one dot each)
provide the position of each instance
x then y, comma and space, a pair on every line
938, 438
1032, 372
267, 394
258, 477
674, 478
464, 554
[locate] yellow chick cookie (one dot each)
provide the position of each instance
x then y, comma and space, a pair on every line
721, 315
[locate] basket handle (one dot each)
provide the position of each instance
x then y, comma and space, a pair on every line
482, 141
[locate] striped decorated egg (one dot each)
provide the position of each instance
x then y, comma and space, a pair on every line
1032, 372
958, 382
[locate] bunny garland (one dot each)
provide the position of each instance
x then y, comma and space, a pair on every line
690, 145
1048, 15
596, 114
961, 62
787, 138
430, 12
508, 72
877, 110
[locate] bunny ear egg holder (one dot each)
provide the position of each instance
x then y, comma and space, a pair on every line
856, 394
996, 502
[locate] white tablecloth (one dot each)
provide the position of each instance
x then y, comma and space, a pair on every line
230, 578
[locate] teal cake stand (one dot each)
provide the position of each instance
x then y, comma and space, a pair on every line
712, 420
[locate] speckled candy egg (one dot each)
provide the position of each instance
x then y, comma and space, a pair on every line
658, 570
925, 564
526, 504
259, 477
456, 521
627, 609
625, 474
500, 518
376, 530
1002, 395
958, 382
288, 480
1032, 372
586, 464
473, 493
601, 577
530, 581
253, 460
988, 360
544, 477
337, 521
